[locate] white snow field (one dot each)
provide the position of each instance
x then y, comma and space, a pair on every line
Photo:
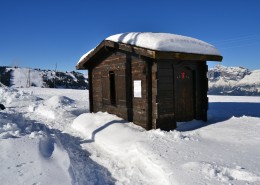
47, 136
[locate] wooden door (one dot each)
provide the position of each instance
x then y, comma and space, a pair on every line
184, 94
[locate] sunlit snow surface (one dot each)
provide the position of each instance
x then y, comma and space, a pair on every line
165, 42
47, 136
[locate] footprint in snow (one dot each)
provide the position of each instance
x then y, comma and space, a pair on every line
46, 146
222, 173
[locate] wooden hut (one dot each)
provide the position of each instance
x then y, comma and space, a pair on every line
151, 79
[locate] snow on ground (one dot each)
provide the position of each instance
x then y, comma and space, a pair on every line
47, 136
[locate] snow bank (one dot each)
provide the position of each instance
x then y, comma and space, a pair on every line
12, 97
123, 142
29, 155
22, 163
77, 148
112, 126
59, 101
215, 154
9, 130
55, 107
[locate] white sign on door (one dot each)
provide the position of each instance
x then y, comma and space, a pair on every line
137, 88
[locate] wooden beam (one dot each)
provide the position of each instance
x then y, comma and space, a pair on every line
85, 62
186, 56
90, 91
131, 49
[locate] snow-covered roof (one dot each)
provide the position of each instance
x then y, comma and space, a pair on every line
85, 55
165, 42
160, 42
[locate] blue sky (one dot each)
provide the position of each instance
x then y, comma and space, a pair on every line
43, 33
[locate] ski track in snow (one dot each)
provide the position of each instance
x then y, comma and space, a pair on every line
43, 131
40, 126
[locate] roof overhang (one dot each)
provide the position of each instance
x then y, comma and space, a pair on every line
107, 46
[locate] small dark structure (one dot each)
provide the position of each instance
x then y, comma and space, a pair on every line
152, 88
2, 107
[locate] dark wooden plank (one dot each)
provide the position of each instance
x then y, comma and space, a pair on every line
105, 88
184, 94
130, 48
90, 90
186, 56
149, 94
120, 87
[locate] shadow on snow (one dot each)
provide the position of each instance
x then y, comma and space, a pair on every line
222, 111
83, 169
102, 128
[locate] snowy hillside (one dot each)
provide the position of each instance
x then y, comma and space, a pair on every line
26, 77
47, 136
222, 80
234, 81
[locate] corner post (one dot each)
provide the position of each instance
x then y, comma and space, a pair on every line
90, 90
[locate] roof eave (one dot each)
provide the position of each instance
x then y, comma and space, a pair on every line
83, 63
108, 45
187, 56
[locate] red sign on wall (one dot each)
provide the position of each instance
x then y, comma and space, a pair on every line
183, 76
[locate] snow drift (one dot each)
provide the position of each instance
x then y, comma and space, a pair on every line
47, 136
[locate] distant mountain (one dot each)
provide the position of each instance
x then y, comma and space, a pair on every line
222, 80
233, 81
25, 77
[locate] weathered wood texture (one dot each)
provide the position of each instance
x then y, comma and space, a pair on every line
154, 96
173, 85
201, 91
115, 63
165, 96
182, 90
138, 71
171, 90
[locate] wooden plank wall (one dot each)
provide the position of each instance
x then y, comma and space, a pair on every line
165, 96
165, 101
200, 87
140, 104
154, 96
201, 92
101, 85
156, 108
127, 69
